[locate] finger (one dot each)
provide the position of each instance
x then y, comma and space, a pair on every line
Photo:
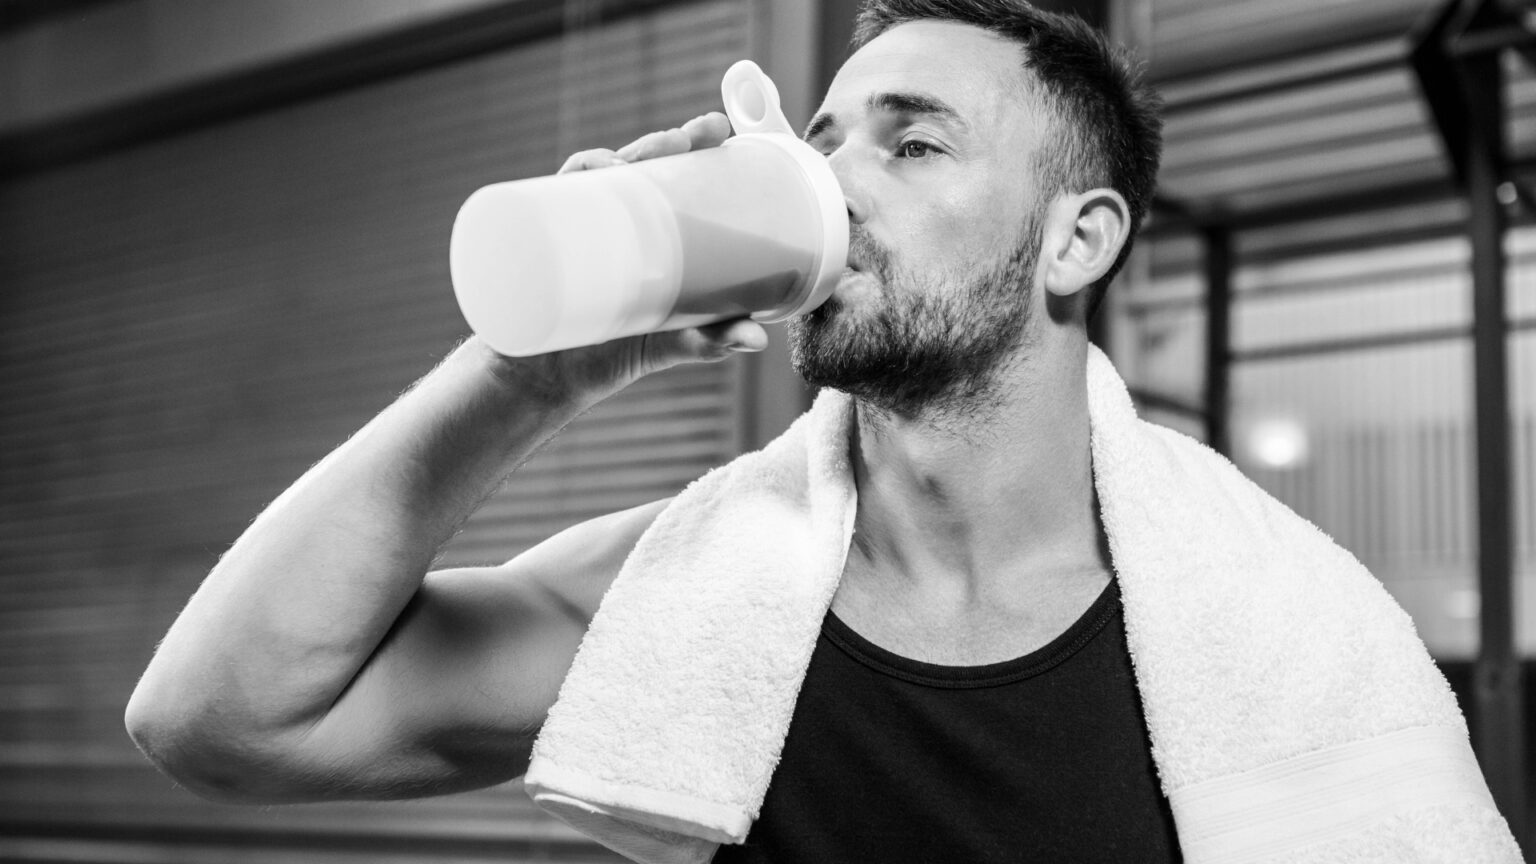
738, 335
667, 143
709, 130
589, 159
709, 343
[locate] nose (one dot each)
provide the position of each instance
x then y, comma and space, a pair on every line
845, 168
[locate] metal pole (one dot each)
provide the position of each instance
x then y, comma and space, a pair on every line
1218, 336
1499, 733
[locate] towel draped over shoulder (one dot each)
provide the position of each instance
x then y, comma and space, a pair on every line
1294, 714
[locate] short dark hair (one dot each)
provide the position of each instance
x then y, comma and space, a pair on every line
1109, 122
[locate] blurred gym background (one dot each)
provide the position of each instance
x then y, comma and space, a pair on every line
223, 247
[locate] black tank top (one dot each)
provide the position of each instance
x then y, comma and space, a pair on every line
1043, 758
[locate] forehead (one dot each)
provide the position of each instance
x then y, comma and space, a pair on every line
978, 73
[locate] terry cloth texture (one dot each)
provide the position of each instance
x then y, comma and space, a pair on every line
1293, 711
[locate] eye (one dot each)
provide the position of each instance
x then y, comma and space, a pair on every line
915, 149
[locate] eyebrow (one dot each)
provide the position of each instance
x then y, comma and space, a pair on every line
894, 103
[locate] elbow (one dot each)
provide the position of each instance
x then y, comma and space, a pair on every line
185, 750
204, 755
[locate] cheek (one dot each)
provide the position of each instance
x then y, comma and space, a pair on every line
975, 232
961, 224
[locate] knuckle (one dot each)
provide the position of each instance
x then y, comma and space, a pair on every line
586, 159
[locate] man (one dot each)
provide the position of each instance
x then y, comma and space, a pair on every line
996, 162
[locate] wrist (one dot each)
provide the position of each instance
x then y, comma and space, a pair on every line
540, 382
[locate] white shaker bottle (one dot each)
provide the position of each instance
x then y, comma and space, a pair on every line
756, 227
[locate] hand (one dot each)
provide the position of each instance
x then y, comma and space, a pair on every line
600, 370
709, 130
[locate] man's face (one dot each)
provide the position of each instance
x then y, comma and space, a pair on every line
932, 134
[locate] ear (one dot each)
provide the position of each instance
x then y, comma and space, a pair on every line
1085, 233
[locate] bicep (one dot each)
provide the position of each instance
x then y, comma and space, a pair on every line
455, 694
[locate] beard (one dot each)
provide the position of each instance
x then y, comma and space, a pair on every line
930, 346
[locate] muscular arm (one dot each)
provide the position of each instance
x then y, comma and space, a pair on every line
316, 660
320, 659
456, 692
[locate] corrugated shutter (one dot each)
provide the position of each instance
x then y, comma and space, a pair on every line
1196, 37
187, 325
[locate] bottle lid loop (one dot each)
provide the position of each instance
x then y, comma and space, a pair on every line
752, 101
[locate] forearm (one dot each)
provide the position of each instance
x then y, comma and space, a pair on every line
299, 603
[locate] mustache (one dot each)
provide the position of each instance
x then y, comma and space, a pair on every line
868, 254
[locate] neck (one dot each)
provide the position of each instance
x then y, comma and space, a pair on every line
993, 504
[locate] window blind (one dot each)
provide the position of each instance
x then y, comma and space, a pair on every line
190, 323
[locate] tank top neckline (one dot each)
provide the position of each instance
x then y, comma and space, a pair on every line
1037, 662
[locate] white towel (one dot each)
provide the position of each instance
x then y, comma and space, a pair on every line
1294, 714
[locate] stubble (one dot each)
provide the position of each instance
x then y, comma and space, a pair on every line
931, 347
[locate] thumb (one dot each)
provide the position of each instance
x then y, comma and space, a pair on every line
708, 343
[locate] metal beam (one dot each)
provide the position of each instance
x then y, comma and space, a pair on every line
1218, 336
1171, 215
1492, 40
1499, 731
1436, 73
